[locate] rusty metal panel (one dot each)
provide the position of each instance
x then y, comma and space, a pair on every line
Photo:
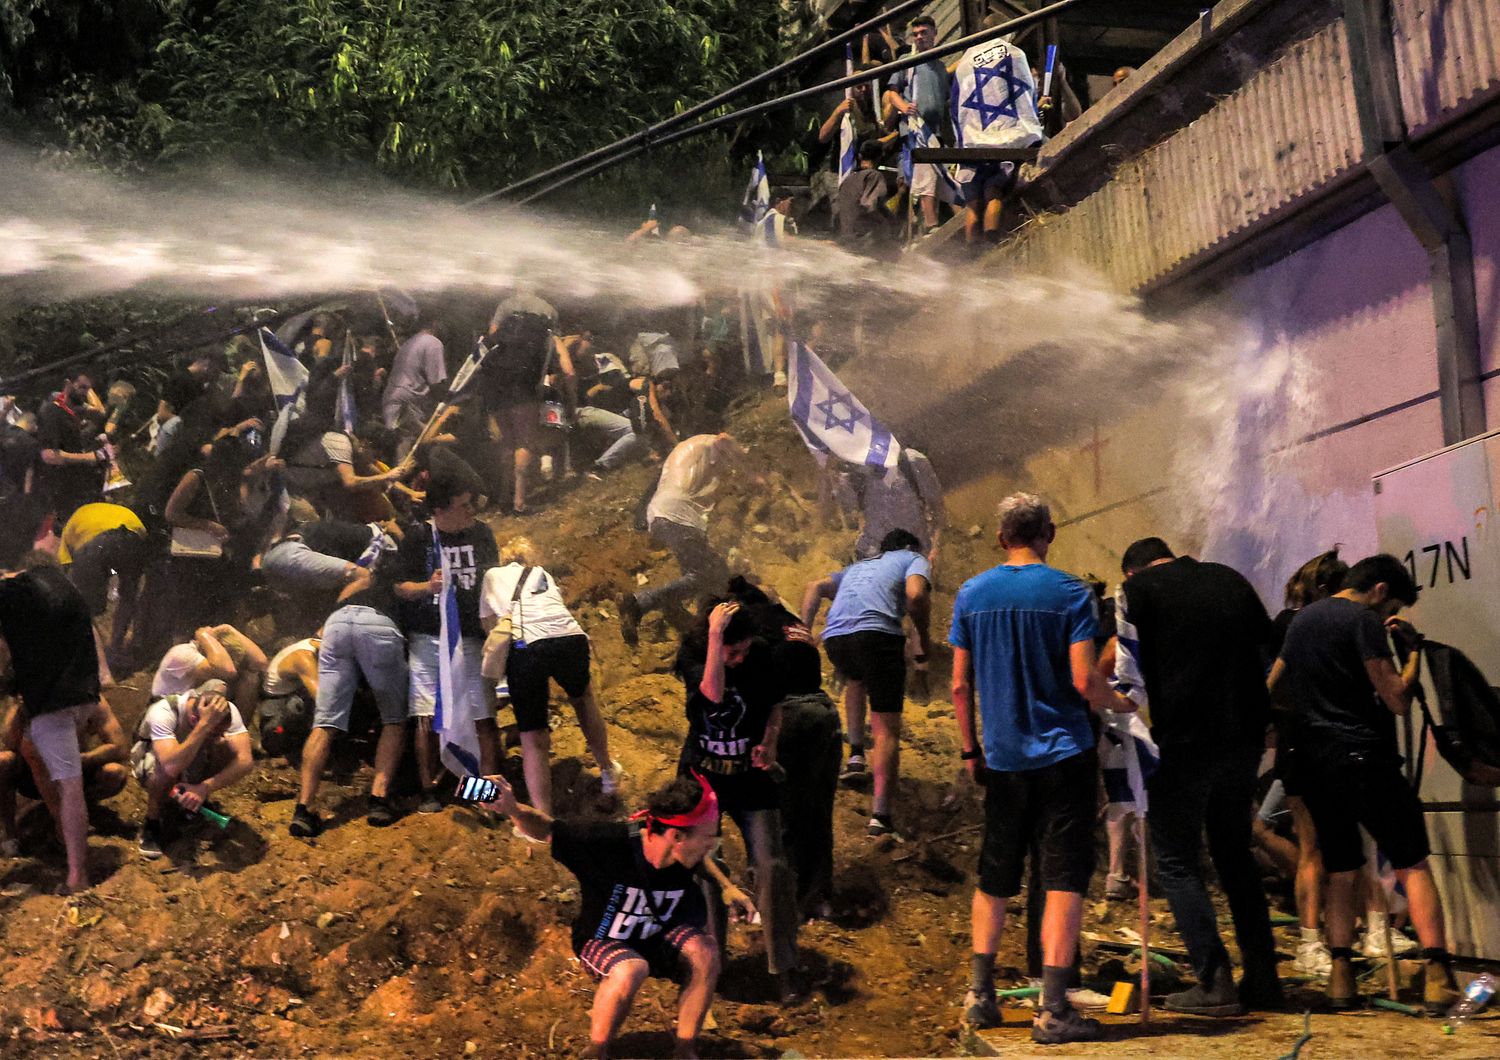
1447, 56
1291, 130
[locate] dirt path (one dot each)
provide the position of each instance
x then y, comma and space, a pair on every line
446, 936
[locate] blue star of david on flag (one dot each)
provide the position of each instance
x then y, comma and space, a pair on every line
832, 419
989, 112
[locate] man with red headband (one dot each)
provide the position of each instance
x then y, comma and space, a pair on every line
642, 911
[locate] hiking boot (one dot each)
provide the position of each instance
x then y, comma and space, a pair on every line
382, 813
1220, 998
1312, 958
151, 840
1343, 989
305, 823
1120, 889
1065, 1025
1439, 991
854, 772
981, 1010
430, 802
630, 619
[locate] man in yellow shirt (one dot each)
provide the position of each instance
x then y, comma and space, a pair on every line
98, 539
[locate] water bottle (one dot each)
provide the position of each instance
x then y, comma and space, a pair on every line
1476, 997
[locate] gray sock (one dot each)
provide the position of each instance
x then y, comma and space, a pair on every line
1055, 986
982, 973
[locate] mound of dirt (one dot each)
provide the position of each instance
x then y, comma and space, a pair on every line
445, 935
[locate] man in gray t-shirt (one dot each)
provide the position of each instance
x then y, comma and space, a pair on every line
922, 90
418, 368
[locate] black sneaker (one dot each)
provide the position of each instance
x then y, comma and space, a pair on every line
630, 619
981, 1010
430, 802
381, 814
305, 824
151, 840
1220, 998
1063, 1026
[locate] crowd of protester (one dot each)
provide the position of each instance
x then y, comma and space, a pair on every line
368, 531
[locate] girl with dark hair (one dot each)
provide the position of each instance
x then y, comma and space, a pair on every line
734, 721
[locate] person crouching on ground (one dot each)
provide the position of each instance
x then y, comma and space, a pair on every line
190, 747
642, 912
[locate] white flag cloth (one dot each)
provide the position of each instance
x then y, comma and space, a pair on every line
453, 715
993, 100
848, 145
918, 134
467, 369
831, 419
1127, 757
757, 192
346, 411
286, 375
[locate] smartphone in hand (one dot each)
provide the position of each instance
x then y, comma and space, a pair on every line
476, 789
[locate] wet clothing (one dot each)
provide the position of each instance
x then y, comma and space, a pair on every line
689, 483
417, 369
623, 898
906, 497
1019, 622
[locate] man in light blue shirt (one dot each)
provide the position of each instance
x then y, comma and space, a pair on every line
1023, 638
864, 640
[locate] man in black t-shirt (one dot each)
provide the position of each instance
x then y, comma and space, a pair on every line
468, 551
1336, 667
71, 464
1191, 649
641, 909
48, 636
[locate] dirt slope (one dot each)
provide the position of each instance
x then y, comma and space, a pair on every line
446, 936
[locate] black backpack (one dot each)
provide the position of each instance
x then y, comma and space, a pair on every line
1465, 720
519, 354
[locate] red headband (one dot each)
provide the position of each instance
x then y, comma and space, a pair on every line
706, 810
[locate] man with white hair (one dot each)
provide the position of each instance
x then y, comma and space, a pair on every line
1023, 639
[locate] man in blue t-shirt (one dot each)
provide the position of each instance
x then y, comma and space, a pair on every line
864, 640
1023, 639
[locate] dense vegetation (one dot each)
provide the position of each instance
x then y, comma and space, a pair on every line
442, 93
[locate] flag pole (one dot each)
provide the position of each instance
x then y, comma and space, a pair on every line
1145, 899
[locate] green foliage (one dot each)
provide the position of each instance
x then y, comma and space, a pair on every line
467, 94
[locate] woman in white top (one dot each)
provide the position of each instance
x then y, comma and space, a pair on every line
547, 645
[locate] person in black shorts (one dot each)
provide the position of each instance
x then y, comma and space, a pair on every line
1336, 666
641, 910
734, 723
864, 639
547, 644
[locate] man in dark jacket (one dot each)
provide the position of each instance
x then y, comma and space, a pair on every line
1192, 641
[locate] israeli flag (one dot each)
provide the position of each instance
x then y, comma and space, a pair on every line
453, 718
993, 98
771, 229
918, 134
286, 375
757, 201
1127, 758
832, 420
847, 144
346, 412
467, 369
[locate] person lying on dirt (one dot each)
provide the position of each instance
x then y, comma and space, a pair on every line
190, 747
642, 909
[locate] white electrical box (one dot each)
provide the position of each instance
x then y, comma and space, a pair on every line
1439, 515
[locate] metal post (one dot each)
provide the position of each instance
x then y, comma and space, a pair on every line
1436, 221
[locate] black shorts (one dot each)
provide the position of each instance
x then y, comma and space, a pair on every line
877, 661
662, 953
1345, 791
119, 551
527, 671
1053, 807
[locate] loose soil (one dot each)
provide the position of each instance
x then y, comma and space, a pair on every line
445, 935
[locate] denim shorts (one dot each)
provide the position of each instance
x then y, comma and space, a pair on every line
360, 642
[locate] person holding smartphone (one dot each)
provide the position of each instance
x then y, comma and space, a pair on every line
641, 911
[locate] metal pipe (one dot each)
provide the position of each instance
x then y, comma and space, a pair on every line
958, 45
646, 134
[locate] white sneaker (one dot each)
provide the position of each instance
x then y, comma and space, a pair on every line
779, 380
609, 779
1313, 959
1373, 944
